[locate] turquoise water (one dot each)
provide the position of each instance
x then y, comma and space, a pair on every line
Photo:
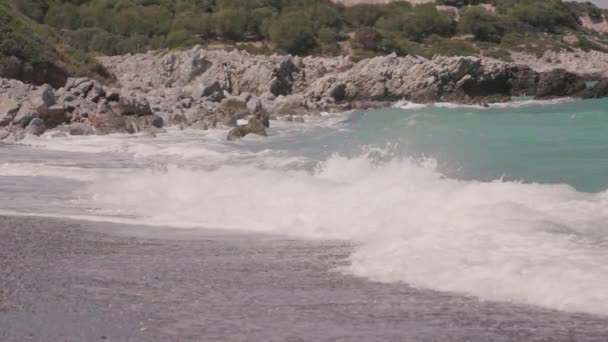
540, 143
565, 143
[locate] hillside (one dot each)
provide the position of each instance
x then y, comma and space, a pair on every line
375, 2
35, 53
45, 40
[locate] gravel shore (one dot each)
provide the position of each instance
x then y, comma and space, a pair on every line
63, 280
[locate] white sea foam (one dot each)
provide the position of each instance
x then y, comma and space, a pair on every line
404, 104
408, 105
528, 243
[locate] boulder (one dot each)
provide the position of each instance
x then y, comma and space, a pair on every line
290, 105
254, 126
234, 105
36, 127
81, 87
213, 90
254, 106
43, 97
132, 106
8, 110
135, 124
264, 117
96, 93
54, 115
25, 114
106, 121
154, 121
80, 129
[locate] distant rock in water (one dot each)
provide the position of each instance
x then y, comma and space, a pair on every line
254, 126
36, 127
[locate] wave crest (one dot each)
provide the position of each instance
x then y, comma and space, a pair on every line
528, 243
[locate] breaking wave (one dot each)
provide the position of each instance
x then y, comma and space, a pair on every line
528, 243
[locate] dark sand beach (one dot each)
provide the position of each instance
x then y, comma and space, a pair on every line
65, 280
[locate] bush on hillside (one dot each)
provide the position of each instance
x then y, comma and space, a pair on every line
483, 25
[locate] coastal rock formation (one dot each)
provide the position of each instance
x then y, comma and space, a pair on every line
205, 89
559, 83
83, 106
186, 84
591, 63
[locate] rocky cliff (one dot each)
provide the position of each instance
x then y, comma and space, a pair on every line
204, 89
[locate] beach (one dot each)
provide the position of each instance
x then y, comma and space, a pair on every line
68, 280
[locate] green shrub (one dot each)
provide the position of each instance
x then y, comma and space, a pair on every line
293, 33
483, 25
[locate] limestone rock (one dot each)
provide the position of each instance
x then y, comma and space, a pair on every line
132, 106
43, 97
559, 83
290, 105
8, 110
25, 114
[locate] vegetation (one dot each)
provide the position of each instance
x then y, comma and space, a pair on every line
76, 30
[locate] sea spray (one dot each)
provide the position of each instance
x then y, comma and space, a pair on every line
528, 243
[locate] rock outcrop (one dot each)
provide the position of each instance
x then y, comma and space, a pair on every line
254, 126
593, 63
193, 84
206, 89
83, 106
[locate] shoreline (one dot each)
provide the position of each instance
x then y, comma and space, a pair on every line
75, 280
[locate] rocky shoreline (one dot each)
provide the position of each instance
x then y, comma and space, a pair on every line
205, 89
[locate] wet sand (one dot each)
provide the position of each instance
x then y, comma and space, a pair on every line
63, 280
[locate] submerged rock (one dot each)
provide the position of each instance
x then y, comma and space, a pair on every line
36, 127
80, 129
254, 126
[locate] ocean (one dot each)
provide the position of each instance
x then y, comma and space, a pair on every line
507, 203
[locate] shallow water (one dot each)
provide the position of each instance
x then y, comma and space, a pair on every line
506, 203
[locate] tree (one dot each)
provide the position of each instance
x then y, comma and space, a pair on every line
483, 25
293, 33
367, 38
64, 16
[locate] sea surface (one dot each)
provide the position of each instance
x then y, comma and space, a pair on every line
507, 203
